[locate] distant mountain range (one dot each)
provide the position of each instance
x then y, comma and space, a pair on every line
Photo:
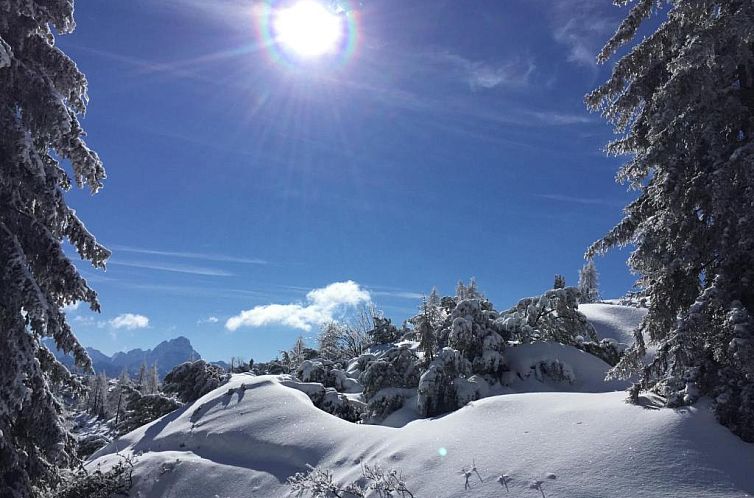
167, 355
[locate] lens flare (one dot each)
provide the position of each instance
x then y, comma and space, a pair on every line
308, 30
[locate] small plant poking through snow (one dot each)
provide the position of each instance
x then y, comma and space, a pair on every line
468, 472
504, 479
539, 485
320, 483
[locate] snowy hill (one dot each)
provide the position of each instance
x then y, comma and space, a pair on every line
614, 321
247, 437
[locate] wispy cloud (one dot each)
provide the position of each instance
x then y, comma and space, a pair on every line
129, 321
230, 12
583, 26
398, 294
209, 319
591, 201
321, 306
478, 74
193, 270
190, 255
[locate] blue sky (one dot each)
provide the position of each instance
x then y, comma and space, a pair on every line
452, 143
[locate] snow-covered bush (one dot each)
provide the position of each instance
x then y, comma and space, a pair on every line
144, 409
374, 481
117, 481
329, 400
192, 380
553, 316
474, 332
312, 371
437, 390
553, 369
322, 371
341, 406
88, 444
397, 368
384, 332
608, 350
385, 402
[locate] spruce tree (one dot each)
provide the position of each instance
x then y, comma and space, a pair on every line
425, 328
41, 94
330, 341
682, 101
153, 382
588, 283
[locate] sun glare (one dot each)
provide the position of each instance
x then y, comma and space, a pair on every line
308, 28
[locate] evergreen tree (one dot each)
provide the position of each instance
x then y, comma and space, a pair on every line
560, 282
41, 93
140, 383
472, 291
588, 283
426, 331
98, 395
297, 353
434, 301
683, 100
152, 385
331, 341
460, 291
124, 383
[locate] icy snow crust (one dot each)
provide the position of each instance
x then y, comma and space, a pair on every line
245, 439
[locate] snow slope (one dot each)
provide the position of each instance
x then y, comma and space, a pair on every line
614, 321
245, 439
248, 442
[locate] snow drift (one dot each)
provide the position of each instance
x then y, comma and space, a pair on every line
248, 436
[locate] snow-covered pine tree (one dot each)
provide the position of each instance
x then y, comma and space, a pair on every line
472, 291
588, 283
425, 328
153, 381
124, 383
297, 353
683, 100
98, 395
460, 291
142, 379
330, 341
41, 93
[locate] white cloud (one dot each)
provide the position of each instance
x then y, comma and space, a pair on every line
71, 307
210, 319
129, 321
322, 306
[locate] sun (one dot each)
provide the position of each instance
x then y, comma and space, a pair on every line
308, 29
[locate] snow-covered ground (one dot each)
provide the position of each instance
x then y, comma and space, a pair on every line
247, 437
614, 321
